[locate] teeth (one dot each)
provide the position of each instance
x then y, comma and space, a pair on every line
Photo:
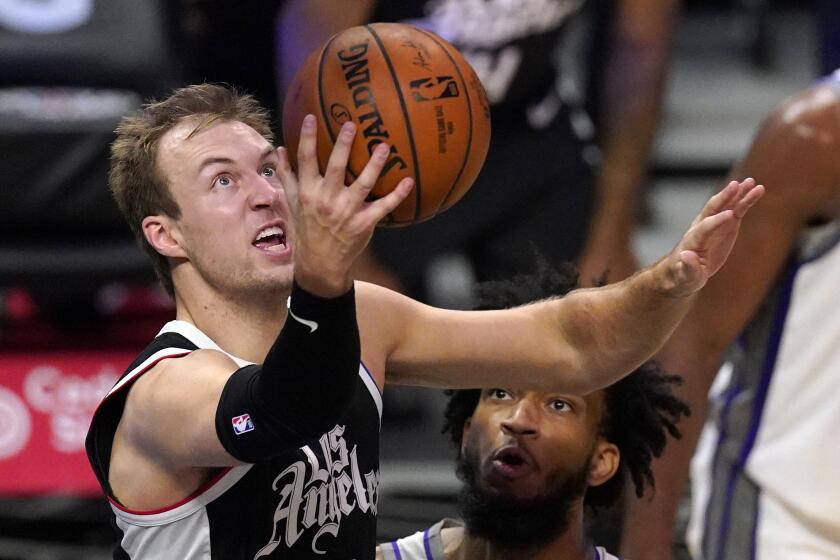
268, 232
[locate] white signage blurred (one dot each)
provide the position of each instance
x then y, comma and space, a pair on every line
44, 16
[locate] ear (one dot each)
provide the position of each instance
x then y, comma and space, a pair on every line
162, 233
604, 462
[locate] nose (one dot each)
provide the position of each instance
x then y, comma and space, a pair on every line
262, 193
521, 419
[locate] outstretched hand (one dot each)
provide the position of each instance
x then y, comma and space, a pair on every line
706, 245
333, 222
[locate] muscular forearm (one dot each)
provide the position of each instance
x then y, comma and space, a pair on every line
616, 328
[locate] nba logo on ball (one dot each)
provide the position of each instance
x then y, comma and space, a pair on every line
429, 89
403, 86
242, 424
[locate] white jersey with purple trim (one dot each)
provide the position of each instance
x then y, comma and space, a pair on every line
314, 501
428, 545
766, 475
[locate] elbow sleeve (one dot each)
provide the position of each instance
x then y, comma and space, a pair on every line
303, 388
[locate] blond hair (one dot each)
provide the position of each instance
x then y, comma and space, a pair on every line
135, 180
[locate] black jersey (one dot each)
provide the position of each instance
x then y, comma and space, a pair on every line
511, 45
536, 188
317, 501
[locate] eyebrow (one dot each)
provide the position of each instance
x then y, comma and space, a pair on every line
213, 160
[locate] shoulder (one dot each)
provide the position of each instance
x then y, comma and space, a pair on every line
451, 536
439, 540
801, 115
194, 366
190, 370
172, 382
811, 116
814, 103
794, 154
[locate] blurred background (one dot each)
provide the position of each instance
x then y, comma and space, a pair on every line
78, 299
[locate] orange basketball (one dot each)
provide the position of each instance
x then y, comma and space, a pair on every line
406, 87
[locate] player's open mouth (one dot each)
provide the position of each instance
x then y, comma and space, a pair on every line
512, 462
272, 238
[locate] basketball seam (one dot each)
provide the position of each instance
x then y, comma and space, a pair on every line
321, 98
406, 117
470, 116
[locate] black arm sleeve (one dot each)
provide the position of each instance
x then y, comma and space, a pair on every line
304, 386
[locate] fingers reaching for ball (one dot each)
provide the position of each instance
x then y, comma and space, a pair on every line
437, 129
307, 158
334, 222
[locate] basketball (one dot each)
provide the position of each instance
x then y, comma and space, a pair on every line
404, 86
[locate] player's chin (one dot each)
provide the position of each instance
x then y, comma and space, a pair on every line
520, 491
525, 487
273, 278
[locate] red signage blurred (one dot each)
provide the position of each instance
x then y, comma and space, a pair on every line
46, 402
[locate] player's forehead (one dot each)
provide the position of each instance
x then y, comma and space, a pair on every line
191, 142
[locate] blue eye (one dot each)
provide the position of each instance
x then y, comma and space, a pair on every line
268, 172
224, 181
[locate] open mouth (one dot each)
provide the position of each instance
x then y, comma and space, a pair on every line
271, 239
512, 462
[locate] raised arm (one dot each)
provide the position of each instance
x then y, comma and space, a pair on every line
181, 413
794, 154
630, 107
579, 343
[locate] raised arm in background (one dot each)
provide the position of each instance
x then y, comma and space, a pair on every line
639, 46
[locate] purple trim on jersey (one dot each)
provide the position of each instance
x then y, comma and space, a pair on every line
730, 396
759, 401
426, 546
375, 384
396, 548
